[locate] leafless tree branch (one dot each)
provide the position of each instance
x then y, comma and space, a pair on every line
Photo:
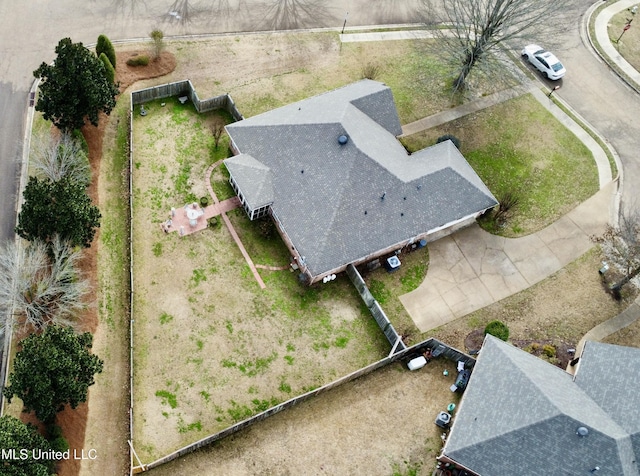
55, 159
469, 30
40, 284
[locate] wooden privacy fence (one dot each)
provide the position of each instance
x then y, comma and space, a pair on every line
399, 350
185, 89
374, 308
449, 352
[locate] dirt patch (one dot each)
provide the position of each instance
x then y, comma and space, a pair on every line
368, 426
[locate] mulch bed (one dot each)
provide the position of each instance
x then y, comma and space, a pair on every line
74, 421
564, 351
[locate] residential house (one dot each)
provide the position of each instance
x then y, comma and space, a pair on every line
341, 188
523, 416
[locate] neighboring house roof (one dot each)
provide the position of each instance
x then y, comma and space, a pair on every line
610, 375
328, 197
520, 414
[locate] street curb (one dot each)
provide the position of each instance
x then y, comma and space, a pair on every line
587, 22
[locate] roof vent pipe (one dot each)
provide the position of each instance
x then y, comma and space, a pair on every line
582, 431
343, 139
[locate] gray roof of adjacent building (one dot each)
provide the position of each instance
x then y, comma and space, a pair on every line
520, 414
339, 203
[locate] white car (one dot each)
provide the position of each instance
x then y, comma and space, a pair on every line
544, 61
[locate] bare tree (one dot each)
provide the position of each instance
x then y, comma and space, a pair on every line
55, 159
471, 29
621, 246
217, 129
40, 284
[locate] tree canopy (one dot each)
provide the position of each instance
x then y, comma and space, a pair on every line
63, 156
75, 86
471, 29
22, 439
58, 208
104, 45
40, 284
53, 369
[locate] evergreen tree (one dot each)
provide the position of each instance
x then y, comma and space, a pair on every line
53, 369
75, 86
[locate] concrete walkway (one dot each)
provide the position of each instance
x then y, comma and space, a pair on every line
452, 114
472, 269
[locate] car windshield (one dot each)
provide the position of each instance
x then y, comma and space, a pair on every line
557, 66
539, 52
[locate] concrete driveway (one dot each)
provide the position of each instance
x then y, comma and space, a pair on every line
472, 269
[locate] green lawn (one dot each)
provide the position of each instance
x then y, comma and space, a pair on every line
630, 40
518, 147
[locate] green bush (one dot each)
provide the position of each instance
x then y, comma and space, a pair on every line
53, 431
108, 68
141, 60
549, 350
56, 438
446, 137
59, 444
204, 201
213, 222
104, 46
497, 329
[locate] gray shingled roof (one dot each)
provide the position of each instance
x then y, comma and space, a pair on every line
519, 415
257, 178
328, 196
610, 375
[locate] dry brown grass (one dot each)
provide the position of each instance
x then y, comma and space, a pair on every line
628, 44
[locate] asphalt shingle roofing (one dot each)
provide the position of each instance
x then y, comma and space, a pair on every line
341, 202
520, 415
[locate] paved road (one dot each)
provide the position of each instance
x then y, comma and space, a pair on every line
606, 103
29, 32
